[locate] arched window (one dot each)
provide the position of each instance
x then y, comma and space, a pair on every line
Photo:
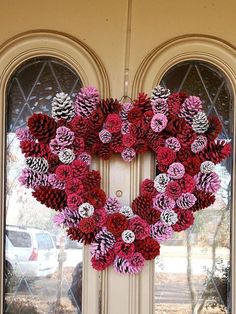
38, 271
193, 271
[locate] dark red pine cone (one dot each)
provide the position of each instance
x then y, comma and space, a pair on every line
105, 151
74, 186
42, 127
103, 261
76, 234
142, 206
215, 151
90, 140
128, 140
174, 126
79, 125
32, 149
215, 128
97, 197
174, 102
92, 180
154, 140
148, 247
204, 199
109, 106
143, 102
192, 165
53, 198
116, 143
135, 115
185, 219
165, 156
184, 155
147, 188
63, 122
186, 136
53, 162
96, 119
116, 223
78, 145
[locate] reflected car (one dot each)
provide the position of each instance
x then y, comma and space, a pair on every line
30, 252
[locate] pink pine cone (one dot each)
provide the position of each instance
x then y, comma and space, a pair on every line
208, 182
191, 106
86, 101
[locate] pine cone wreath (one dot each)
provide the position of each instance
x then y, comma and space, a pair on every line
42, 127
38, 164
160, 92
86, 101
62, 107
53, 198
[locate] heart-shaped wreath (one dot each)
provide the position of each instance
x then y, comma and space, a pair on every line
58, 152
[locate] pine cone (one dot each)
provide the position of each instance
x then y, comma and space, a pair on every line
53, 198
70, 217
199, 144
141, 204
116, 143
86, 101
79, 125
215, 128
200, 122
66, 156
160, 92
208, 182
92, 180
125, 109
191, 106
204, 200
55, 183
62, 107
216, 151
109, 105
104, 241
112, 205
76, 234
42, 127
64, 136
185, 220
175, 101
186, 200
33, 149
105, 151
169, 217
38, 164
159, 105
121, 265
143, 102
31, 179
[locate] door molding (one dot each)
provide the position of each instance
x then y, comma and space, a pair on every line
92, 72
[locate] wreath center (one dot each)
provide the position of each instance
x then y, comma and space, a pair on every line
59, 149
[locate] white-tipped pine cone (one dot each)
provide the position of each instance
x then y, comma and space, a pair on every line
169, 217
62, 107
160, 92
86, 101
200, 122
191, 106
38, 164
207, 166
66, 156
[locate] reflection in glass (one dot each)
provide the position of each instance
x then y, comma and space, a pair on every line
43, 269
192, 272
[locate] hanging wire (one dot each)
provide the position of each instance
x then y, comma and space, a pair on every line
124, 98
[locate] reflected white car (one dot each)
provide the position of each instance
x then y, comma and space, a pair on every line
30, 252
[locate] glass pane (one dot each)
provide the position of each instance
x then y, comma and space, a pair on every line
43, 270
192, 274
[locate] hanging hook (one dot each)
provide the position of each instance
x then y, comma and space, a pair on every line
124, 98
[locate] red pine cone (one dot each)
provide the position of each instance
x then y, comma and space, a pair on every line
92, 180
175, 101
143, 102
76, 234
53, 198
148, 247
185, 219
142, 206
192, 165
116, 223
109, 106
216, 151
96, 119
174, 126
116, 143
147, 188
135, 115
42, 127
87, 225
204, 199
105, 151
215, 128
33, 149
79, 125
97, 197
53, 162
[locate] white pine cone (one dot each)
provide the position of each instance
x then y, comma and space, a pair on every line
127, 211
200, 122
207, 166
199, 144
160, 182
160, 92
66, 156
128, 236
86, 210
62, 107
169, 217
38, 164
